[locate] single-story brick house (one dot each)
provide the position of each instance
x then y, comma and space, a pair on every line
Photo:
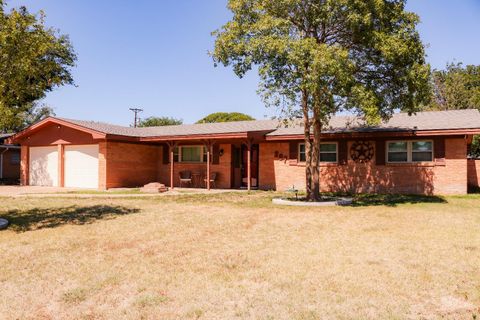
425, 154
9, 161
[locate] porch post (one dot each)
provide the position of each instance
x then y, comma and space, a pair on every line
249, 166
208, 167
171, 147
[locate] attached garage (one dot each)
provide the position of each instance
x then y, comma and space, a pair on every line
43, 166
81, 166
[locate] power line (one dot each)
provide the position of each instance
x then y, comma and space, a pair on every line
136, 111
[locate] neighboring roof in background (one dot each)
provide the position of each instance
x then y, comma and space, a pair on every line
4, 136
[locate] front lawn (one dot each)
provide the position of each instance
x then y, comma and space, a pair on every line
235, 255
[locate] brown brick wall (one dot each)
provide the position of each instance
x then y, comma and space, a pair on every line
449, 178
473, 173
127, 164
223, 169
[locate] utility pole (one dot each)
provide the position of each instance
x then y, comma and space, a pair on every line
136, 111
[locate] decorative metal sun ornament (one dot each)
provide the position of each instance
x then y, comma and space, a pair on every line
362, 151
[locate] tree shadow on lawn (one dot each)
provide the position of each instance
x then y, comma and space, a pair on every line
40, 218
392, 200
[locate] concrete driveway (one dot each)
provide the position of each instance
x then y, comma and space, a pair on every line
15, 191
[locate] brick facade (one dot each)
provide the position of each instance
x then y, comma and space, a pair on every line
133, 164
473, 169
127, 164
279, 172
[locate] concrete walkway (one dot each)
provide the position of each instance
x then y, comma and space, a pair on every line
32, 191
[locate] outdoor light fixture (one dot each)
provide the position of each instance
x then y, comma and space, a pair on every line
220, 153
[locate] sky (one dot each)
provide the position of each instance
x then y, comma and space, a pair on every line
153, 54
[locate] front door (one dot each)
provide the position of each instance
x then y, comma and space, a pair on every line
254, 154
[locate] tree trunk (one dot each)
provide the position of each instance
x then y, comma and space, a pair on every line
317, 130
308, 147
312, 148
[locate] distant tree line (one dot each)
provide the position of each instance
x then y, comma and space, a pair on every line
211, 118
457, 87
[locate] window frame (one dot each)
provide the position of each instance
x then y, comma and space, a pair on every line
320, 152
299, 153
409, 151
336, 152
180, 153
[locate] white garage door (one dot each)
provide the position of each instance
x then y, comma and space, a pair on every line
43, 170
81, 166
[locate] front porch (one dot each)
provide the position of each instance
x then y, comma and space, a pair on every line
231, 164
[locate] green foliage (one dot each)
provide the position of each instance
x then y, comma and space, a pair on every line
225, 117
159, 121
345, 54
34, 60
316, 58
456, 87
475, 147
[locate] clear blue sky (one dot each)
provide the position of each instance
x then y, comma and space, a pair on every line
153, 54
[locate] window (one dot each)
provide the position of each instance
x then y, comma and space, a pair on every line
15, 158
302, 157
409, 151
191, 154
422, 151
328, 152
398, 151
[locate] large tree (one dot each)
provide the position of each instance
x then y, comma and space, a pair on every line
318, 57
34, 59
456, 87
225, 117
159, 122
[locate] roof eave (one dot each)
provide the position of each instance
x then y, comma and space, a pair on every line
236, 135
406, 133
39, 125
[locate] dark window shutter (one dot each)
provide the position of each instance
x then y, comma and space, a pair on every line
293, 152
342, 152
166, 154
216, 154
380, 152
439, 148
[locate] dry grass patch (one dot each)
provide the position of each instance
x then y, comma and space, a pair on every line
238, 256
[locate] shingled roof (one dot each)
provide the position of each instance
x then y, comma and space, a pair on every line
4, 136
421, 121
180, 130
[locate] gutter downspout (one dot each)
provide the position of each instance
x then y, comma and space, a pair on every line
1, 161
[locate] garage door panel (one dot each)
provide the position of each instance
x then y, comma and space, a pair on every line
43, 166
81, 166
